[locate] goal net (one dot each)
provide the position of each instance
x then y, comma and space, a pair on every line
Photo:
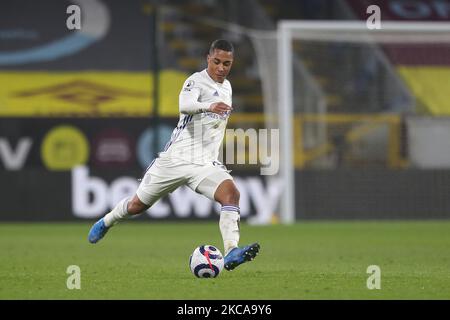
338, 92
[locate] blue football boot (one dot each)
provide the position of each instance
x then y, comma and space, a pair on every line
97, 231
238, 256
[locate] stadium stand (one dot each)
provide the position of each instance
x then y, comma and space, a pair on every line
187, 34
425, 68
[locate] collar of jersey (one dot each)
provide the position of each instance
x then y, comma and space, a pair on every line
209, 77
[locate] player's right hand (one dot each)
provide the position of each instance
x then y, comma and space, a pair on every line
220, 108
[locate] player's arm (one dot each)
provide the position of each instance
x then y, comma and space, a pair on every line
189, 104
219, 107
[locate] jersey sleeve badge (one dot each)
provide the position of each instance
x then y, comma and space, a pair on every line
189, 85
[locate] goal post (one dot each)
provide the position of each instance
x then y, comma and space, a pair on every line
357, 71
285, 116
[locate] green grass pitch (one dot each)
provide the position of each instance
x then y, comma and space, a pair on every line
310, 260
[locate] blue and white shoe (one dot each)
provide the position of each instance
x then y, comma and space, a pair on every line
238, 256
97, 231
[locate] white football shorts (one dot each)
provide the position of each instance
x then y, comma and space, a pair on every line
164, 176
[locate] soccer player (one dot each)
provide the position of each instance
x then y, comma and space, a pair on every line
190, 157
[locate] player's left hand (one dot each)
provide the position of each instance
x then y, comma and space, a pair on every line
220, 108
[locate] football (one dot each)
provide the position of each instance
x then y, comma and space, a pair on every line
206, 262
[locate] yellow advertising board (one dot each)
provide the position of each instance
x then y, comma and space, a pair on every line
429, 85
87, 94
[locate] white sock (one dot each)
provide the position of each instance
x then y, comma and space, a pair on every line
229, 227
119, 212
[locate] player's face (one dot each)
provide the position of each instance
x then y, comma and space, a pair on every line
219, 64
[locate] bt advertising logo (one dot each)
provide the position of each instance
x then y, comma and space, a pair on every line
13, 157
62, 148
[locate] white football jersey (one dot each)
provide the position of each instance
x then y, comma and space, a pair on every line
198, 137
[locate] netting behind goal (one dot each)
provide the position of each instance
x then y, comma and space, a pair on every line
337, 92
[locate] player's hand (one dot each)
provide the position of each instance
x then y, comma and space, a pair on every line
220, 108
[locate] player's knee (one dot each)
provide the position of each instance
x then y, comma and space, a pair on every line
231, 197
227, 193
236, 196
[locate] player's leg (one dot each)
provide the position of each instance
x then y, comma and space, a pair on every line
125, 208
219, 186
227, 195
157, 182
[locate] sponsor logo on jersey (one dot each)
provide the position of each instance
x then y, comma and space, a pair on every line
223, 116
